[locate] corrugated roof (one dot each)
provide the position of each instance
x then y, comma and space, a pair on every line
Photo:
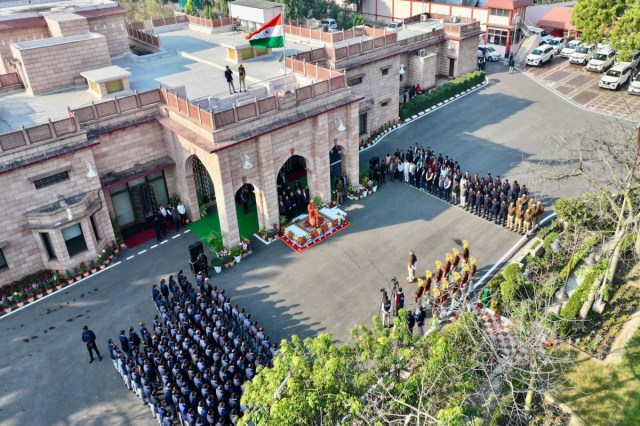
95, 13
557, 18
14, 24
256, 4
507, 4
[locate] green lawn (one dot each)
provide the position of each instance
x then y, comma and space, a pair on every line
606, 394
247, 223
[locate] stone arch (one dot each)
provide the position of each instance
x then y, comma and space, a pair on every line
194, 181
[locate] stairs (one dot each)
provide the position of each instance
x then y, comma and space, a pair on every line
527, 46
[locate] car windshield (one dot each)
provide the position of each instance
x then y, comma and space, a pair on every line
582, 50
537, 52
599, 57
614, 73
490, 49
554, 42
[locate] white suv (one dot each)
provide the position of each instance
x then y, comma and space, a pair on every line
569, 48
557, 43
634, 87
540, 56
583, 53
616, 77
601, 60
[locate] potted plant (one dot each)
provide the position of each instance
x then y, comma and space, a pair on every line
236, 252
93, 266
215, 241
216, 263
271, 233
374, 185
317, 201
117, 231
77, 273
283, 221
28, 294
301, 241
246, 246
48, 288
69, 276
262, 232
115, 248
314, 234
84, 270
6, 304
37, 291
18, 299
224, 255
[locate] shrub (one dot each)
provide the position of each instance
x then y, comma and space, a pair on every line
571, 309
512, 284
440, 93
495, 282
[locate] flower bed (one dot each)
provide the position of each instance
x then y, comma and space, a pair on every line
300, 234
600, 330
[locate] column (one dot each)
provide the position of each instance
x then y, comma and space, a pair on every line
220, 171
323, 131
267, 192
351, 156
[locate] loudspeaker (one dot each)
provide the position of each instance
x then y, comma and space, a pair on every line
194, 250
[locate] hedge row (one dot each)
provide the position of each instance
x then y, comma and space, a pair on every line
571, 309
441, 93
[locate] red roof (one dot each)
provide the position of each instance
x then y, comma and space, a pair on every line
95, 13
14, 24
507, 4
558, 18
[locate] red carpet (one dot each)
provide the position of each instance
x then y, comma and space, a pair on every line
299, 249
142, 237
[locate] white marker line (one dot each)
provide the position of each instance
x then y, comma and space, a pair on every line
187, 231
130, 257
165, 241
175, 236
509, 253
143, 251
154, 246
13, 311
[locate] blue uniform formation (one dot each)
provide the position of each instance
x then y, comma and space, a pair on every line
191, 366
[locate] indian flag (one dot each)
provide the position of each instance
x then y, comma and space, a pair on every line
269, 35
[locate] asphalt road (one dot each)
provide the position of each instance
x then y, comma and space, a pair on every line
45, 378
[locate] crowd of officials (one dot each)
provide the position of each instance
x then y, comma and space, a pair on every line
190, 366
493, 198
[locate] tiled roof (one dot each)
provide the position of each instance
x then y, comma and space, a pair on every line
558, 18
95, 13
14, 24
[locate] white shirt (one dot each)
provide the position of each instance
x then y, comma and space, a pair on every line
181, 209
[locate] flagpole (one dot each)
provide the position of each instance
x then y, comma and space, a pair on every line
284, 47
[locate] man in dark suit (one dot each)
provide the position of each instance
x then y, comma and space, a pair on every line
89, 338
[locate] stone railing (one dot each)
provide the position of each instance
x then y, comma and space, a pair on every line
116, 106
142, 36
335, 37
329, 80
462, 30
9, 80
36, 134
194, 112
172, 20
311, 55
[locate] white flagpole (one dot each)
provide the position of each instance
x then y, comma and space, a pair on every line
284, 48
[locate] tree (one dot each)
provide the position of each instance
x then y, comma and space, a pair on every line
294, 9
189, 8
208, 11
357, 19
145, 9
606, 160
616, 19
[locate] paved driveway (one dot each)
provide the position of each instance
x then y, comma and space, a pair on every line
581, 87
45, 378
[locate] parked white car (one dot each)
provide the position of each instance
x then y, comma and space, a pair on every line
394, 27
329, 24
583, 54
557, 43
540, 56
602, 60
634, 87
635, 59
569, 48
616, 77
490, 54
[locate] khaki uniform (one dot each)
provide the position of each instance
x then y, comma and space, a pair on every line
539, 211
518, 221
511, 214
527, 222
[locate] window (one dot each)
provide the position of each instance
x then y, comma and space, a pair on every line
362, 124
46, 241
498, 12
385, 71
3, 261
355, 81
384, 103
498, 37
74, 240
50, 180
94, 225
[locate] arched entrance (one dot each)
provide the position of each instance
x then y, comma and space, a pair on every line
205, 192
293, 187
246, 210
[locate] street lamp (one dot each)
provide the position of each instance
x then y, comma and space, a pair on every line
64, 205
341, 127
91, 170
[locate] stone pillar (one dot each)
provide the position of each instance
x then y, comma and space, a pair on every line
323, 132
267, 193
351, 157
222, 183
